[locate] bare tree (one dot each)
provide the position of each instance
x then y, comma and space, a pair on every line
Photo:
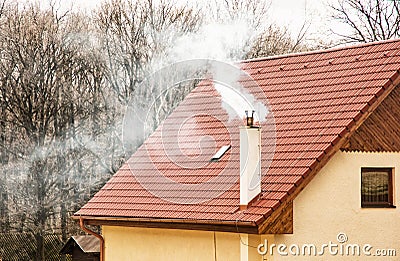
276, 40
52, 101
369, 20
252, 11
65, 79
267, 37
134, 36
133, 33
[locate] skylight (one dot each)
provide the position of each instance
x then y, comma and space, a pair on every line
220, 152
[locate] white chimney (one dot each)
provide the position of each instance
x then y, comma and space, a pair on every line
250, 162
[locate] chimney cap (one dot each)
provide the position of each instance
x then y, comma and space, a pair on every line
249, 119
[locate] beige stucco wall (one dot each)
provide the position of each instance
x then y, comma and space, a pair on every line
331, 204
127, 243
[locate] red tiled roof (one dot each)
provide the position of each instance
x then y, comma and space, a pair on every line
316, 98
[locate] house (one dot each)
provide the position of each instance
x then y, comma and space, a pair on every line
330, 191
82, 248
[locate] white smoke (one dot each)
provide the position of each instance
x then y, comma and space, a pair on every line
235, 101
227, 42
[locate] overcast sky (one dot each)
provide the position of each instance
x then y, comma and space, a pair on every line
290, 13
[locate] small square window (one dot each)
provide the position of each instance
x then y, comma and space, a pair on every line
376, 187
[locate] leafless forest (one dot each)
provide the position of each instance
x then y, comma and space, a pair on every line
67, 76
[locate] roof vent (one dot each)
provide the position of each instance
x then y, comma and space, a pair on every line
221, 152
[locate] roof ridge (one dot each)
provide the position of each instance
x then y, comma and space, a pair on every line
319, 51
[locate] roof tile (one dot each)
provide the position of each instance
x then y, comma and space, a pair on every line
315, 97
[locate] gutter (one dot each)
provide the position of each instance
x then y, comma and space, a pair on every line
249, 227
87, 230
163, 220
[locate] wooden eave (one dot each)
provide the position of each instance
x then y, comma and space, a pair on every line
381, 131
185, 224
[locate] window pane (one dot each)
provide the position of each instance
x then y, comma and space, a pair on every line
375, 186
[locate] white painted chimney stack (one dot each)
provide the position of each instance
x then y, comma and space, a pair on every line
250, 162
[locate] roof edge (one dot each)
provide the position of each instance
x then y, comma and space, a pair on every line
318, 51
187, 224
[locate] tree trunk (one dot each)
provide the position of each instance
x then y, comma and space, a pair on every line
39, 247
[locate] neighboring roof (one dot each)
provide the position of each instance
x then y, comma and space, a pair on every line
86, 243
318, 99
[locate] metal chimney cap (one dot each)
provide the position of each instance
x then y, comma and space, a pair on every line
249, 119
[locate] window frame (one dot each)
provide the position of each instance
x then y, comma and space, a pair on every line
390, 202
